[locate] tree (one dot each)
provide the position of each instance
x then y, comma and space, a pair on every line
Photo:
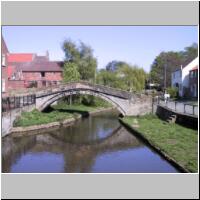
108, 78
134, 77
82, 56
70, 72
167, 62
126, 77
115, 65
71, 51
189, 53
162, 67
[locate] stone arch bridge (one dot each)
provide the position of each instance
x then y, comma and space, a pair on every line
126, 102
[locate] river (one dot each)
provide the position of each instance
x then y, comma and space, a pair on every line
97, 144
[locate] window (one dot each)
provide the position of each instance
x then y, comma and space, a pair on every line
42, 74
44, 83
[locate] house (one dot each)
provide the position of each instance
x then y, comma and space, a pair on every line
182, 79
193, 82
25, 70
31, 70
4, 66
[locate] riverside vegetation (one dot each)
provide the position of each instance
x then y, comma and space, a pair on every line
62, 111
176, 141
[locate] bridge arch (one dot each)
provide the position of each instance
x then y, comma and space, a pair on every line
50, 99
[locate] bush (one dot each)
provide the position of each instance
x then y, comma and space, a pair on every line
173, 91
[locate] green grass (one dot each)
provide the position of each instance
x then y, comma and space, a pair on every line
178, 142
58, 112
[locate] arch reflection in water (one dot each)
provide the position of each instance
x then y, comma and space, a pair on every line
94, 144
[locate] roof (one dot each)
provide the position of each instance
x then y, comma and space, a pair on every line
40, 58
191, 63
4, 47
42, 66
20, 57
29, 62
194, 68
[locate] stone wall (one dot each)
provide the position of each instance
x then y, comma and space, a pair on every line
8, 118
182, 119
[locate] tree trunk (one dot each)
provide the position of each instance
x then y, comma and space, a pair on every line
70, 100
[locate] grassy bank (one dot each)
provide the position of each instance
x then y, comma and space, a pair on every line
59, 112
178, 142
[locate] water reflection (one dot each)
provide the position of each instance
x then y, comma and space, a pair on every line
94, 144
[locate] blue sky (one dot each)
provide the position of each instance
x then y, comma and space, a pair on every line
133, 44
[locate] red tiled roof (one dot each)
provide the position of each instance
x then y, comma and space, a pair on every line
43, 66
20, 57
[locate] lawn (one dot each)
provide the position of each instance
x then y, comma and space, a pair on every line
58, 112
178, 142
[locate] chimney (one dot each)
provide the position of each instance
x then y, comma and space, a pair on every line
47, 54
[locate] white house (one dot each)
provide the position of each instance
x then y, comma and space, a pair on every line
180, 77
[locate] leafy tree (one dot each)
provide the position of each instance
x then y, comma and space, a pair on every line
165, 62
82, 56
70, 72
115, 65
189, 53
169, 62
71, 51
130, 78
173, 91
110, 79
134, 77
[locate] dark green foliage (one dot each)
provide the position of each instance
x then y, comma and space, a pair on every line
172, 61
173, 91
60, 112
126, 77
82, 56
70, 72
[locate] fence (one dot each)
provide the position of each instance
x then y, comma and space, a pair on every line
180, 107
10, 103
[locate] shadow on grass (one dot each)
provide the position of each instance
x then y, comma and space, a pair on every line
71, 111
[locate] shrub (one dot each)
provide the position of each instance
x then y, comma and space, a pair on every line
173, 91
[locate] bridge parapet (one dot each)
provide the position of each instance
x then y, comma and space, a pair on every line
82, 85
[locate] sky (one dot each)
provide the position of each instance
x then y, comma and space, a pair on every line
133, 44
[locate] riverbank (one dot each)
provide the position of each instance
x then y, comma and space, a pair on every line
57, 116
177, 144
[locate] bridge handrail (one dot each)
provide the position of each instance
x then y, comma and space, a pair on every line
160, 101
97, 86
10, 103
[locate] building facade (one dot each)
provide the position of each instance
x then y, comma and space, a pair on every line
193, 82
181, 78
4, 66
26, 70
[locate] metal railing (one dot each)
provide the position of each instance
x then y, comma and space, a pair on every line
10, 103
177, 106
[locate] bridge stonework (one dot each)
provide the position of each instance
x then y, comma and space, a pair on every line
127, 103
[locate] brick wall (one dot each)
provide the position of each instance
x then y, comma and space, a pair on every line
4, 79
15, 84
49, 76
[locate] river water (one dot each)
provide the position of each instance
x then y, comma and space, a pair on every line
97, 144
